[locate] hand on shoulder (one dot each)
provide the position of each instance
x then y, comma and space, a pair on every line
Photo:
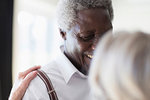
22, 83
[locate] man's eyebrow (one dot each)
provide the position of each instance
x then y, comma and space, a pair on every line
88, 31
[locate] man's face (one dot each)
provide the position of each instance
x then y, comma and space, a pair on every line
81, 40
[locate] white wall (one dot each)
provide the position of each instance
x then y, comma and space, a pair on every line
34, 33
131, 15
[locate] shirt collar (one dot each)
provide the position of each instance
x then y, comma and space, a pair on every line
66, 68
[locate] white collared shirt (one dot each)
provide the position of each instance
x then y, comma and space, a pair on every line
68, 82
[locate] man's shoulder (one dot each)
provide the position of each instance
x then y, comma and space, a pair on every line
51, 67
36, 90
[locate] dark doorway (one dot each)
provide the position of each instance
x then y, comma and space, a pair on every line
6, 13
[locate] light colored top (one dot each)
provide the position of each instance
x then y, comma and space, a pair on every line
68, 82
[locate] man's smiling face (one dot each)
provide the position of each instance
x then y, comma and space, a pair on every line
81, 40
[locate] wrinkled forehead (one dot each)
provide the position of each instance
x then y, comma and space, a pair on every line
93, 13
93, 18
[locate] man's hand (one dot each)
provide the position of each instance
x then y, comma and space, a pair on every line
22, 83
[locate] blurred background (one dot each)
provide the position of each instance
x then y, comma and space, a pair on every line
35, 33
30, 35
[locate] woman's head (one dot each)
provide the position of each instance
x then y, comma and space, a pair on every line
121, 67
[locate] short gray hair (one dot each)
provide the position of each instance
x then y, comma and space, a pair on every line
67, 10
121, 67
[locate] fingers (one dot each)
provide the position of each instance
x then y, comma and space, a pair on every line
22, 83
19, 92
25, 83
27, 79
23, 74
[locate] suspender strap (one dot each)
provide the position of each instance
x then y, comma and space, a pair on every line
51, 92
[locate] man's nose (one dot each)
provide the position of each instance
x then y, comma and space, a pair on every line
94, 44
93, 47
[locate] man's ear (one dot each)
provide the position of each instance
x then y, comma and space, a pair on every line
62, 33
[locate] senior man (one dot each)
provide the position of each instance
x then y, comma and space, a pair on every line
81, 23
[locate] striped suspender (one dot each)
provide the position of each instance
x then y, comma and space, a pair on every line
51, 92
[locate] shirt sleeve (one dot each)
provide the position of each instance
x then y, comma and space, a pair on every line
36, 90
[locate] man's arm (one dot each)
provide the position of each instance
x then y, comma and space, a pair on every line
22, 83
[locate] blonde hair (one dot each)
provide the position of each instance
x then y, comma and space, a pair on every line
121, 67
